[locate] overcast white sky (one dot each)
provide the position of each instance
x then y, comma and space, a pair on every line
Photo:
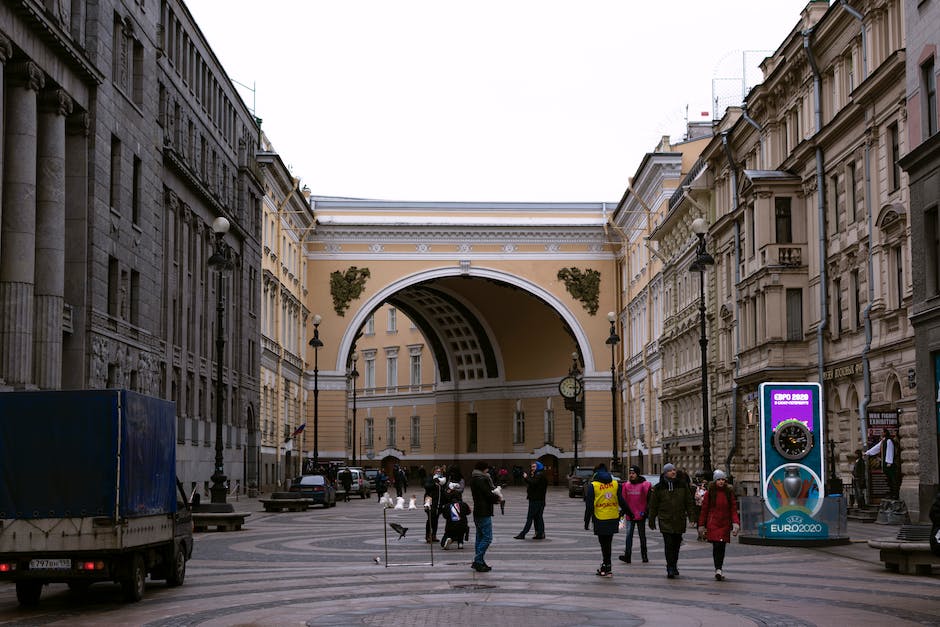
484, 100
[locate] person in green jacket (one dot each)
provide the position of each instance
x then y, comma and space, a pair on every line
671, 508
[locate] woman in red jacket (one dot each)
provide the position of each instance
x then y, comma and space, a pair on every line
719, 518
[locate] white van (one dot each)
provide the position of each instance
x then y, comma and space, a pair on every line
360, 485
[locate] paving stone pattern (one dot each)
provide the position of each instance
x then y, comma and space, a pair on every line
330, 567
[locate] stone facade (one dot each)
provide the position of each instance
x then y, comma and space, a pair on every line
285, 320
922, 164
123, 141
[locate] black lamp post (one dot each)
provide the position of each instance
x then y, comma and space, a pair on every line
353, 375
576, 413
316, 344
220, 261
702, 261
613, 340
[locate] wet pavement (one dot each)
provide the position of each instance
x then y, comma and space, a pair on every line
345, 566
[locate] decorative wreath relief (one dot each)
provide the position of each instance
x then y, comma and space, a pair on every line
585, 286
345, 286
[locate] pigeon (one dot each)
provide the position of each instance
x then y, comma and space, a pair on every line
411, 502
400, 503
401, 531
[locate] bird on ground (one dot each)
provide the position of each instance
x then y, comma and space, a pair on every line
401, 531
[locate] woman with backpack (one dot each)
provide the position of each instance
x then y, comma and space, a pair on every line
719, 519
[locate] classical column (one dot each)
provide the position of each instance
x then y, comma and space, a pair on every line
49, 288
18, 225
75, 347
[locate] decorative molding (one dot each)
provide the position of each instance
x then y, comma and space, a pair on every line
346, 286
584, 286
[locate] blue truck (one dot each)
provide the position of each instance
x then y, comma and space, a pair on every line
88, 492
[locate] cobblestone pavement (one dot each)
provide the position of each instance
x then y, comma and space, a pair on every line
330, 567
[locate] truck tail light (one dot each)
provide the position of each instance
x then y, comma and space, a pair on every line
99, 565
6, 567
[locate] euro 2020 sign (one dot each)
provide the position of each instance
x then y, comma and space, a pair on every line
792, 469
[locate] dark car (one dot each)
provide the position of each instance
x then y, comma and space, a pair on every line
371, 474
317, 488
577, 479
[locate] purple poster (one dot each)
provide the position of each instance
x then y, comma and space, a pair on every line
791, 404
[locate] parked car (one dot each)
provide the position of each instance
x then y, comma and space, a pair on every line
317, 488
371, 474
577, 479
360, 484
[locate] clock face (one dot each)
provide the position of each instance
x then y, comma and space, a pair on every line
793, 440
569, 387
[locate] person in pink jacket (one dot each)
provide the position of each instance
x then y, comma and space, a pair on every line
636, 494
719, 519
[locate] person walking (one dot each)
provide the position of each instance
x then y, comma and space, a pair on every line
536, 488
603, 504
671, 508
636, 494
719, 519
887, 447
481, 488
859, 478
345, 480
381, 484
433, 502
401, 481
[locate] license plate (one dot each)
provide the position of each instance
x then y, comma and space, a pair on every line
50, 564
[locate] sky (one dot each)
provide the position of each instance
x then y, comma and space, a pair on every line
485, 100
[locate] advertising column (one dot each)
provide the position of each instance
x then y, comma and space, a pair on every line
792, 469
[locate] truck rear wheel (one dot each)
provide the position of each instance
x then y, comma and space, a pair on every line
176, 569
28, 592
135, 582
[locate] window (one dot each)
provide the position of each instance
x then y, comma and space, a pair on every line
392, 320
794, 315
369, 374
784, 223
115, 181
518, 427
932, 252
898, 263
416, 432
349, 433
370, 325
114, 287
369, 434
750, 231
894, 168
135, 191
549, 426
415, 370
472, 432
391, 361
137, 88
929, 97
835, 182
856, 301
135, 298
852, 200
392, 431
837, 304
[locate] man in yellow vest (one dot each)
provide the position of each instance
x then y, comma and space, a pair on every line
603, 504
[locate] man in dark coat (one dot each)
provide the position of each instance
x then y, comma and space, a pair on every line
671, 507
536, 488
484, 497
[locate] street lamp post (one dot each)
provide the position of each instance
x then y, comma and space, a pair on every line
574, 372
316, 344
613, 340
353, 375
220, 261
702, 261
